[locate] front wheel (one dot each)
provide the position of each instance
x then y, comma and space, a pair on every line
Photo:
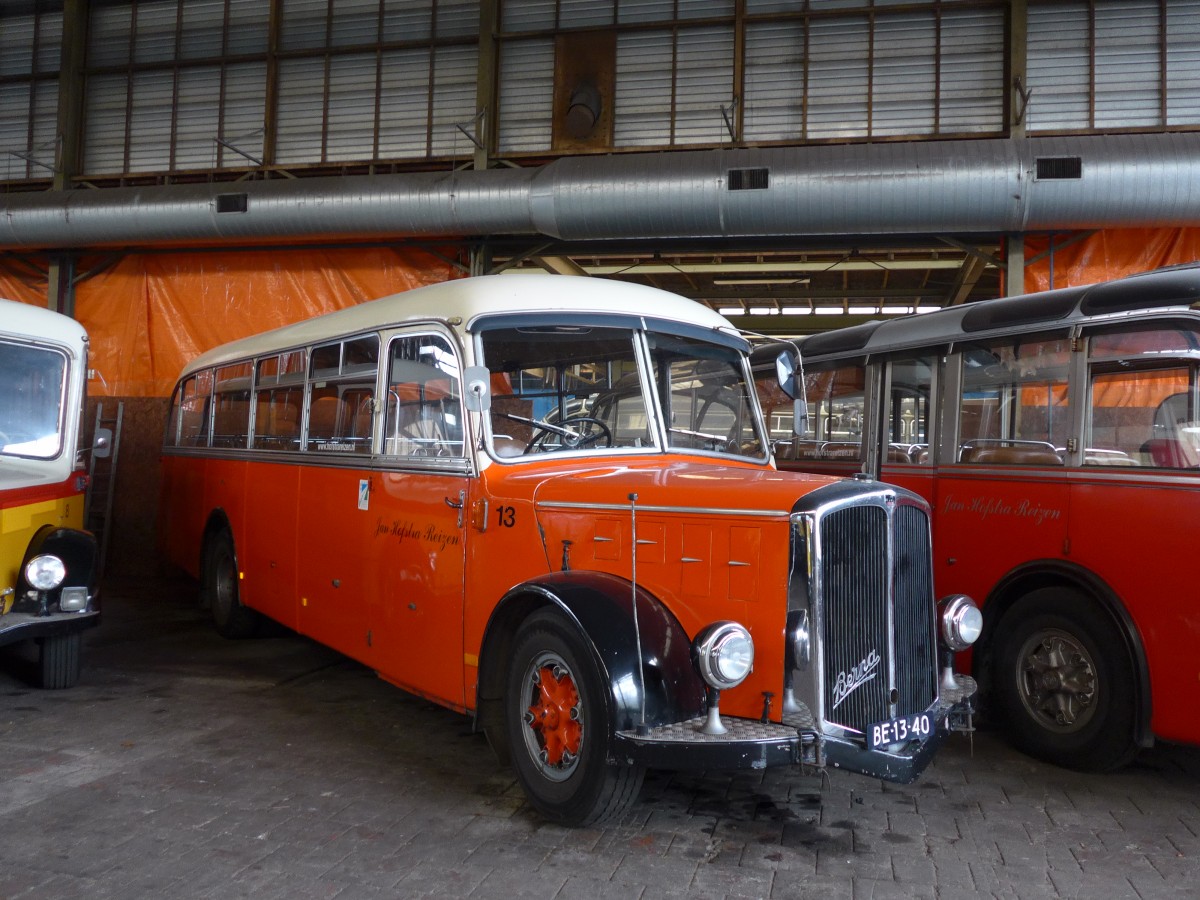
557, 724
58, 661
1063, 682
219, 590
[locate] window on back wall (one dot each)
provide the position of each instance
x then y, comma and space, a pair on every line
856, 73
30, 48
178, 85
174, 85
1095, 66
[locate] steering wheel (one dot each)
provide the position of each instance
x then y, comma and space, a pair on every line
572, 439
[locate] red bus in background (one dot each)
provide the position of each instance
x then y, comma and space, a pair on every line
1056, 437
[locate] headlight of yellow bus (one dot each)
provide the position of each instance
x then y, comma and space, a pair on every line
45, 572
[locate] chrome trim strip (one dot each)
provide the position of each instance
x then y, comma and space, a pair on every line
691, 510
1139, 476
454, 465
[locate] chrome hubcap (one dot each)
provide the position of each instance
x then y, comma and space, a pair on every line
1056, 680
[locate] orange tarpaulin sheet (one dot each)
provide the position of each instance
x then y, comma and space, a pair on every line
1108, 254
23, 288
150, 314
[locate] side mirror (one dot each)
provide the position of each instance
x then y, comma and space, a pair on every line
791, 381
477, 393
786, 365
102, 443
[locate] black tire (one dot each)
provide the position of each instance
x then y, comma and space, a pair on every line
1063, 682
561, 755
219, 587
58, 661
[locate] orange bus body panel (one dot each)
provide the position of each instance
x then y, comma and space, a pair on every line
268, 548
683, 552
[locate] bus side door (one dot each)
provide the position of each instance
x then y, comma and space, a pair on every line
1002, 496
418, 513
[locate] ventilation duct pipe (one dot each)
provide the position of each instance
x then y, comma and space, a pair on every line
960, 187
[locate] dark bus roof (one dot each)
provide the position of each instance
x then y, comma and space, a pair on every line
1175, 286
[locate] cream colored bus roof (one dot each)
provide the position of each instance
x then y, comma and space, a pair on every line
25, 320
460, 301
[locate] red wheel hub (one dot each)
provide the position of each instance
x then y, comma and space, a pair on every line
555, 715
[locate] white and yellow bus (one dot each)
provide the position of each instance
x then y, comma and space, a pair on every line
48, 563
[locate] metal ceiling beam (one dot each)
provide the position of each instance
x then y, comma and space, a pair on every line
796, 326
659, 267
802, 295
559, 265
968, 277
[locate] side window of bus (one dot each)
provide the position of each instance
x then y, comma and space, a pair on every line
231, 406
1014, 402
279, 401
1142, 412
277, 418
341, 400
424, 412
189, 413
907, 414
836, 415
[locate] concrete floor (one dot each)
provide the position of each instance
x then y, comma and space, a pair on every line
184, 765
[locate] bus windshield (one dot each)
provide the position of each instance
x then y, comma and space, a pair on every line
31, 404
581, 388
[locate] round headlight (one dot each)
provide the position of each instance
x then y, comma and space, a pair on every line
962, 622
45, 572
724, 654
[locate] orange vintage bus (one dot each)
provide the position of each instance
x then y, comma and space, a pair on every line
549, 502
48, 563
1057, 438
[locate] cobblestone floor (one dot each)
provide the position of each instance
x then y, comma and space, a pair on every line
187, 766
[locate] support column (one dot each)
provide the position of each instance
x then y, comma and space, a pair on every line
1018, 75
485, 82
481, 259
60, 288
1014, 265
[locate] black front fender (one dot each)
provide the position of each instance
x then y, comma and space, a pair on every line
77, 550
665, 688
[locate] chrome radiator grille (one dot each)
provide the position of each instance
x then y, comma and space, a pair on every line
916, 648
877, 633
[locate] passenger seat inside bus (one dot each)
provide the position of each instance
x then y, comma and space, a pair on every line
1009, 453
1171, 453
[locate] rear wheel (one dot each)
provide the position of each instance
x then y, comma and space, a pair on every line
58, 661
557, 724
1063, 682
219, 587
